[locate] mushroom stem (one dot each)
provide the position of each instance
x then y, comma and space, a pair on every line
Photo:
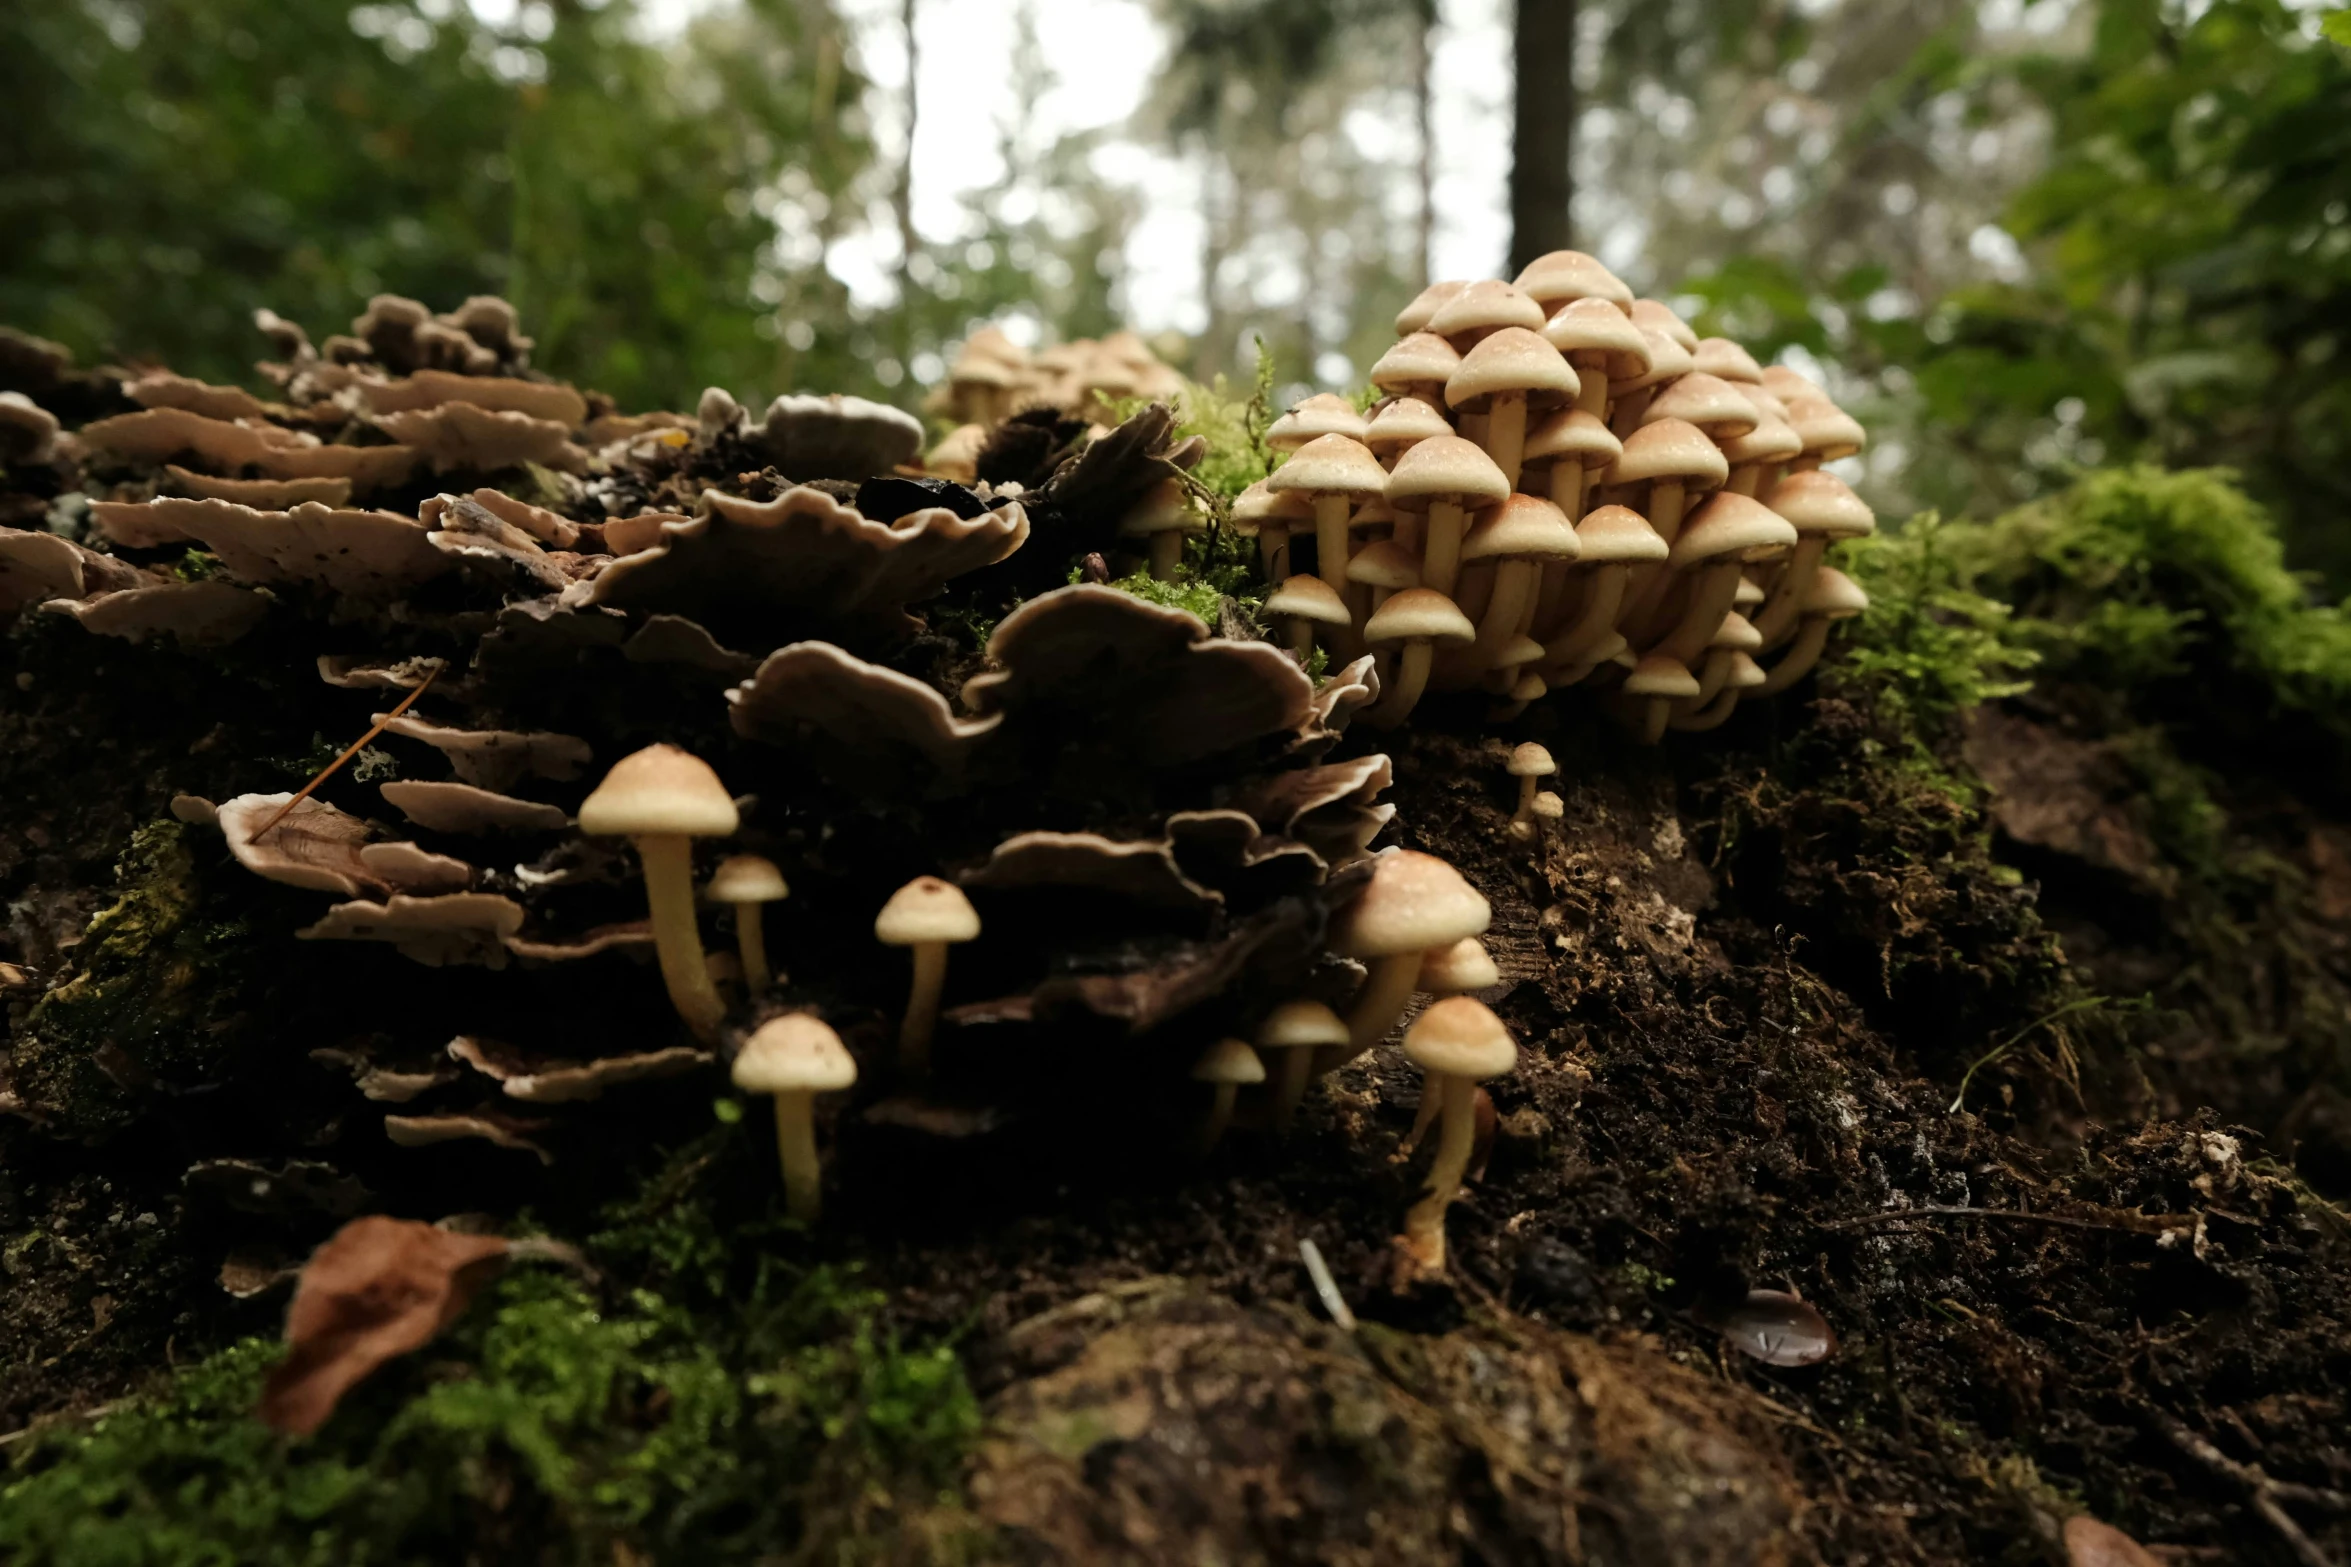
1592, 393
1167, 554
1424, 1223
1432, 1099
1379, 1004
1778, 616
1515, 582
1523, 823
1440, 561
1668, 498
751, 938
1653, 718
668, 861
1289, 1088
1602, 599
1710, 716
1799, 659
796, 1146
1711, 598
1330, 541
1412, 678
922, 1008
1506, 435
1220, 1115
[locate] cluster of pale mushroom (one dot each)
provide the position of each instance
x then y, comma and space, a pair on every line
994, 378
1564, 485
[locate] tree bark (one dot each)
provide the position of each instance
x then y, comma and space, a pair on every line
1542, 142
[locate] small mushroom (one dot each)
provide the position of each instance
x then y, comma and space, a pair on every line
1308, 602
1460, 1044
1325, 413
1614, 540
1528, 764
1724, 536
1417, 367
1558, 277
1272, 518
1446, 477
928, 915
1416, 316
747, 882
796, 1057
1602, 343
1503, 376
1297, 1029
1402, 425
1419, 618
1524, 536
1161, 517
1832, 597
1335, 472
1482, 309
1457, 970
1822, 509
662, 798
1228, 1066
1657, 682
1414, 903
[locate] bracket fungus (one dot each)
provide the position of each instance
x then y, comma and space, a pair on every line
927, 916
661, 799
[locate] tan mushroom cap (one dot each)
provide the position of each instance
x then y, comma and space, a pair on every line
1511, 361
1668, 361
1383, 563
1422, 359
1531, 761
1658, 675
1529, 687
1459, 1037
1750, 593
1822, 503
1164, 507
747, 878
1524, 527
1405, 422
926, 910
1783, 382
1229, 1061
979, 369
1707, 401
1488, 305
1325, 413
1331, 465
1834, 596
1445, 467
1737, 634
1595, 333
1745, 672
1419, 614
1415, 317
1295, 1025
659, 790
1772, 440
1261, 503
1465, 965
1827, 430
1660, 317
1549, 806
1309, 598
1571, 433
1414, 902
1562, 276
1730, 526
1670, 449
1520, 649
1618, 533
1720, 356
794, 1054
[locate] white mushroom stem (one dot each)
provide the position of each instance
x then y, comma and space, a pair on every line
1715, 671
1167, 554
1377, 1006
1626, 417
1592, 393
1273, 548
1712, 594
796, 1146
1330, 541
1668, 498
751, 940
922, 1008
1290, 1084
1220, 1114
1653, 718
1432, 1099
1603, 597
1515, 582
1424, 1222
1506, 434
668, 861
1567, 487
1710, 716
1412, 679
1524, 820
1802, 654
1778, 616
1440, 561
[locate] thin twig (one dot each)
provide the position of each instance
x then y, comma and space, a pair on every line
353, 749
1326, 1287
2147, 1224
2266, 1491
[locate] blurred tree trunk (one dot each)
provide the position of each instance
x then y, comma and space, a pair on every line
1543, 131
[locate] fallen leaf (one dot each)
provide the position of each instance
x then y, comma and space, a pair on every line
379, 1288
2089, 1543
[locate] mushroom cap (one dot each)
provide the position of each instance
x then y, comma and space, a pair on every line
1658, 675
1524, 527
1670, 449
1459, 1037
1404, 422
1531, 761
1750, 593
1731, 526
1383, 563
1520, 649
1784, 383
1372, 513
1508, 362
1549, 806
1422, 359
794, 1054
1827, 430
1164, 507
1465, 965
1445, 467
1737, 634
1720, 356
1772, 440
1308, 598
659, 790
1658, 316
1229, 1061
1571, 433
1821, 503
1745, 672
1325, 413
1296, 1024
925, 911
1331, 465
1563, 276
1415, 316
1413, 902
1834, 596
1668, 361
1529, 687
1261, 503
981, 369
1707, 401
1619, 533
1419, 615
1487, 305
746, 878
1594, 333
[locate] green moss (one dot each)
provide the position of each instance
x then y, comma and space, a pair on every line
1234, 427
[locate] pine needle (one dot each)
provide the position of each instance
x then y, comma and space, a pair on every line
352, 750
